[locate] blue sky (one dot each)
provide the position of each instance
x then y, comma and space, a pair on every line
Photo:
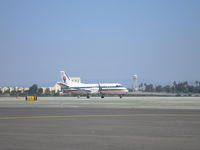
100, 41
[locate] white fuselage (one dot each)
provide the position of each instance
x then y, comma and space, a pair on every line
103, 88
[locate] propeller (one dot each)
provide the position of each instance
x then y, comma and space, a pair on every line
100, 88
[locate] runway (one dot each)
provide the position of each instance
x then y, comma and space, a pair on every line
107, 102
98, 128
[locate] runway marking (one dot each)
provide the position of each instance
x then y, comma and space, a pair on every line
105, 115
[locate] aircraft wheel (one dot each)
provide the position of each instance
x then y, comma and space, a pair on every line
88, 96
102, 96
120, 96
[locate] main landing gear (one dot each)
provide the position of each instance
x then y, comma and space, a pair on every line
88, 96
102, 96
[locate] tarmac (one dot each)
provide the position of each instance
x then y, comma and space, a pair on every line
107, 102
111, 123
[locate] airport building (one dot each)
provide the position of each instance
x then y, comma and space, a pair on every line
75, 79
10, 89
56, 87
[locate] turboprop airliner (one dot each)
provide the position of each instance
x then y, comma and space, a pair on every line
88, 89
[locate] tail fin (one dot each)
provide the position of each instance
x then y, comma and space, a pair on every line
64, 77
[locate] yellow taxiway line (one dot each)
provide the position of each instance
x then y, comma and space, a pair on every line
103, 115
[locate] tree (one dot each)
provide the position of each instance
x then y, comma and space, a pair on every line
13, 93
191, 89
141, 87
174, 87
149, 88
33, 90
185, 87
159, 88
7, 91
167, 89
47, 91
40, 91
197, 83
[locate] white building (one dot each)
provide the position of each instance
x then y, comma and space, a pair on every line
56, 87
3, 89
75, 79
10, 89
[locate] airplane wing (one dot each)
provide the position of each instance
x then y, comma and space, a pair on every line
86, 91
92, 91
89, 91
62, 84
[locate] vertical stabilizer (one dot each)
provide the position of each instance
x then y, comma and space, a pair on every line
64, 77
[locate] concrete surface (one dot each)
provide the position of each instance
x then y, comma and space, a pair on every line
112, 123
99, 128
107, 102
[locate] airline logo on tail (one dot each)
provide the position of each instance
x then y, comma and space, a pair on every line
64, 79
64, 76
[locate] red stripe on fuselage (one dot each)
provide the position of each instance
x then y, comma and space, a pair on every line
113, 89
75, 90
72, 90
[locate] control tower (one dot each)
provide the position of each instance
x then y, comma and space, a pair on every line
134, 85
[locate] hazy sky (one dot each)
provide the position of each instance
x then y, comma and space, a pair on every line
100, 41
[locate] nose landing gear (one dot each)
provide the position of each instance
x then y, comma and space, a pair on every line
102, 96
88, 96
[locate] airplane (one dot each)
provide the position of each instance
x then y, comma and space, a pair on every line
81, 88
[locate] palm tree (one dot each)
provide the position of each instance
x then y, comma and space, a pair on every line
197, 83
174, 86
